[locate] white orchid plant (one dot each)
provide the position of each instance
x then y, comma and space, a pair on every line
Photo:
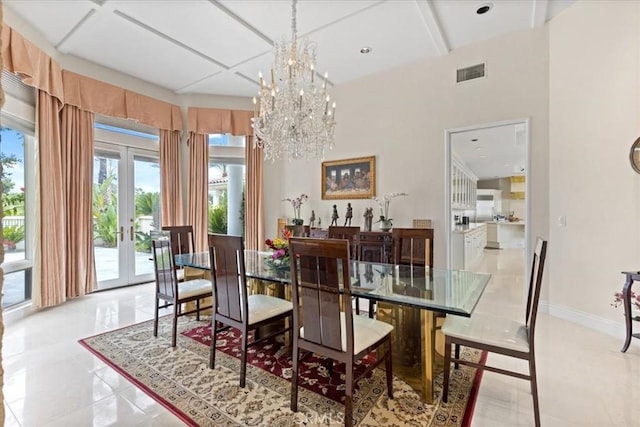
296, 203
383, 203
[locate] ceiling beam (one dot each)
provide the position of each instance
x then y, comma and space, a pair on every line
433, 26
539, 13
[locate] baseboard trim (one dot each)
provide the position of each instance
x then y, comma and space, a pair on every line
597, 323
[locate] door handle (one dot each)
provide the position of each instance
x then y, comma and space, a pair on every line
121, 233
131, 233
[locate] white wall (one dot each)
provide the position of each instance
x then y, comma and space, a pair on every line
594, 107
400, 116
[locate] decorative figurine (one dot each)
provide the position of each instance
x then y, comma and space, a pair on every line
312, 220
334, 216
349, 215
319, 222
368, 219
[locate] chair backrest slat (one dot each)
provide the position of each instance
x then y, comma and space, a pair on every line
228, 275
320, 274
166, 280
535, 285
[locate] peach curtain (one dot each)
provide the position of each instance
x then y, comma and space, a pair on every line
77, 171
53, 231
197, 201
203, 121
254, 216
171, 184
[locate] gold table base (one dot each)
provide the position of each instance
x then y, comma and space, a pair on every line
417, 346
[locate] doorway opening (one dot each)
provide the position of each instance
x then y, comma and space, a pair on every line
487, 193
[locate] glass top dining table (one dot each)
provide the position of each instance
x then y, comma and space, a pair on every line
439, 290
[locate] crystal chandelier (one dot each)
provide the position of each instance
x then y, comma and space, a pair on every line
292, 117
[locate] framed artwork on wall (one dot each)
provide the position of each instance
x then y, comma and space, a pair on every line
349, 178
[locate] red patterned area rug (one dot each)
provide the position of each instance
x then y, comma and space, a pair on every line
179, 378
274, 357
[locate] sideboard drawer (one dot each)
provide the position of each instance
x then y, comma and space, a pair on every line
376, 246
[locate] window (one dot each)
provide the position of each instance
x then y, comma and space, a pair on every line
15, 145
17, 151
226, 184
225, 140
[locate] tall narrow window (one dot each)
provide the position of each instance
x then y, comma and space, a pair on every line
226, 184
17, 153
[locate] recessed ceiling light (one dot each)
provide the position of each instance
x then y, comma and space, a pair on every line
365, 49
484, 8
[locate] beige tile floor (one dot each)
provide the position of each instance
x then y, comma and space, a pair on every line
50, 380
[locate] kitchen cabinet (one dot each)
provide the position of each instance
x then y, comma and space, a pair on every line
467, 245
463, 186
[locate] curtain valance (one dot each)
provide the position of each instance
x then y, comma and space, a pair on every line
204, 121
103, 98
35, 67
39, 70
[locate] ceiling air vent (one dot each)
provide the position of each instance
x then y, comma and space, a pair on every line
470, 73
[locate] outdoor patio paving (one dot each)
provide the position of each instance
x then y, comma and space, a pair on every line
106, 268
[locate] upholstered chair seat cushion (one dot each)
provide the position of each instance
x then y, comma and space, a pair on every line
262, 307
366, 332
194, 287
488, 329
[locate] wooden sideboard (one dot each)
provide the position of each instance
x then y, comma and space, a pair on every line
375, 246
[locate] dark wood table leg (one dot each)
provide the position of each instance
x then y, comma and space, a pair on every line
626, 301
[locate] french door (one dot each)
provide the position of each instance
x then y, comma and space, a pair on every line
126, 209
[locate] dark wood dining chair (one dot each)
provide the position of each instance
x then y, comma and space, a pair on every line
320, 275
233, 306
413, 246
173, 293
352, 234
182, 242
498, 334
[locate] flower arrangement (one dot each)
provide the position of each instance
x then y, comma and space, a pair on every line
635, 300
279, 259
297, 203
383, 202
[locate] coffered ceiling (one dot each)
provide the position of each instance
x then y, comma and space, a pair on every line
219, 46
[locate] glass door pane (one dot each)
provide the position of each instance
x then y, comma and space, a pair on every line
146, 177
108, 234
